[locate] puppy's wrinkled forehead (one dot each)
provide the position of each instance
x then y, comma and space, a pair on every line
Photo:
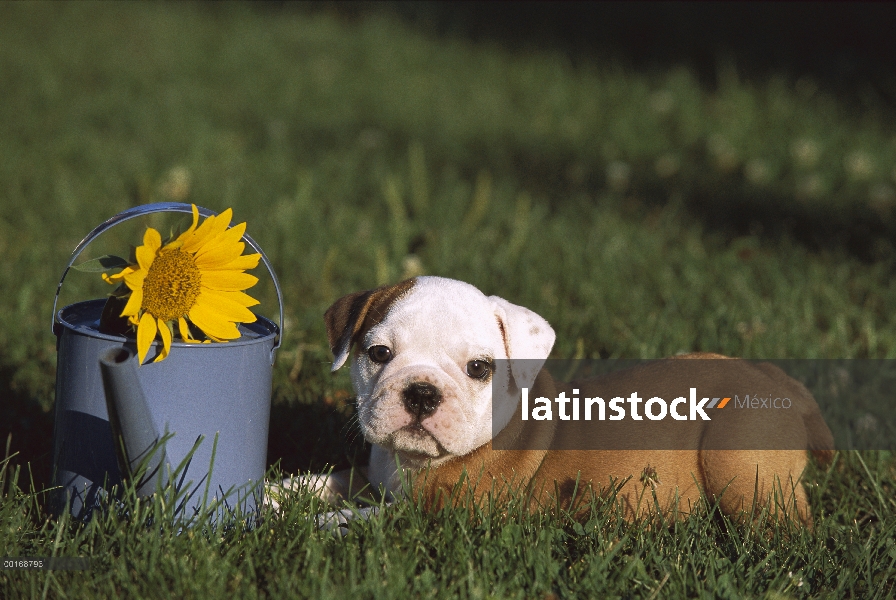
431, 307
437, 312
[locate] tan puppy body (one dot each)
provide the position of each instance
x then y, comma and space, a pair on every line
741, 480
423, 404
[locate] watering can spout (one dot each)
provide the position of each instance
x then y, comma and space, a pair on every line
139, 447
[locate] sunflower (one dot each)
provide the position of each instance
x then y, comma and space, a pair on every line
198, 276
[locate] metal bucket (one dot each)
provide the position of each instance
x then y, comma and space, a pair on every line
217, 394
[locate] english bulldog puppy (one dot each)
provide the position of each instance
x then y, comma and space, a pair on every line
425, 354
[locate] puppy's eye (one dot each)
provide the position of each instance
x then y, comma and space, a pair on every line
479, 369
379, 354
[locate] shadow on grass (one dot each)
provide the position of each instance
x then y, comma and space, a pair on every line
31, 428
314, 436
726, 204
729, 207
847, 48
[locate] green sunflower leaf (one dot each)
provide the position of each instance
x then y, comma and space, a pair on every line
102, 264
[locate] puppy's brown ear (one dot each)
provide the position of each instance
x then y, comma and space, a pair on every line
353, 315
343, 319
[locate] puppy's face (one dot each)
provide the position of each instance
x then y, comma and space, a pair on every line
424, 363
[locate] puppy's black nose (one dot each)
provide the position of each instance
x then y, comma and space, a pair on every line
421, 399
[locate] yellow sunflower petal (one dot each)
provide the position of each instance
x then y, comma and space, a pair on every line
228, 280
118, 276
240, 263
134, 303
222, 249
195, 239
231, 235
134, 279
209, 321
166, 340
152, 239
210, 228
219, 256
146, 254
240, 298
243, 298
184, 330
146, 333
225, 239
221, 223
227, 217
225, 305
182, 237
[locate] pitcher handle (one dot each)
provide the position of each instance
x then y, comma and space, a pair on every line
145, 209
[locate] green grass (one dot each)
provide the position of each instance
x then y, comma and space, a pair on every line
642, 214
479, 553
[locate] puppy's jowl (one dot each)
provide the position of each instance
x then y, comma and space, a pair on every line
423, 356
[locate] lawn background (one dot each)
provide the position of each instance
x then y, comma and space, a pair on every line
644, 202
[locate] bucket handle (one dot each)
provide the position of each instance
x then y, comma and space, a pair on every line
145, 209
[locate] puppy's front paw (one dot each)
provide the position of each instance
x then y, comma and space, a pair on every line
337, 521
276, 493
332, 488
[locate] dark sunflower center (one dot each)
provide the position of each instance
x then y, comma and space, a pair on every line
171, 285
